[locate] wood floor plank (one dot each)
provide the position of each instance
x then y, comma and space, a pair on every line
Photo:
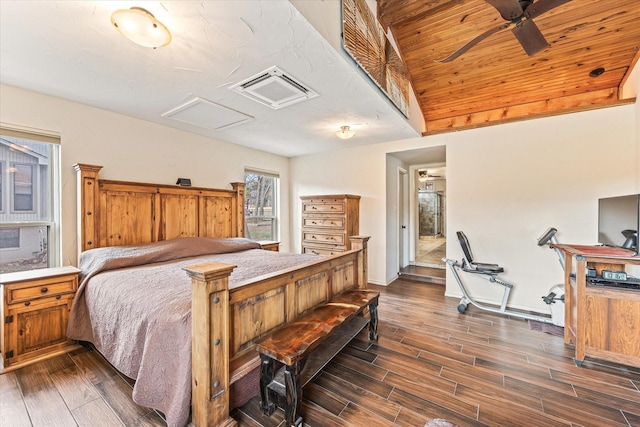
13, 411
96, 412
367, 383
117, 393
440, 350
578, 411
629, 403
431, 410
632, 419
513, 415
357, 364
357, 416
351, 393
324, 398
434, 393
58, 363
42, 400
614, 385
314, 415
74, 388
454, 372
395, 346
93, 367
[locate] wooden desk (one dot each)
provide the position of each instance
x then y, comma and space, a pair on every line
603, 322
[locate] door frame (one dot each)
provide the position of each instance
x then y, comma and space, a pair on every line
402, 218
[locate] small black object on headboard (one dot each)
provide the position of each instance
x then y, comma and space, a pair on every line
185, 182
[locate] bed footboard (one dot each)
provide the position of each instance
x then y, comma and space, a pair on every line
227, 323
210, 344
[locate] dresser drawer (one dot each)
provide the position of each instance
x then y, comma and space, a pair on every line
311, 208
310, 222
331, 238
321, 251
45, 288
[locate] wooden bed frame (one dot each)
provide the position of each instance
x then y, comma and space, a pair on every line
225, 323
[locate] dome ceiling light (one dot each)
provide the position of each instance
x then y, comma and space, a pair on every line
141, 27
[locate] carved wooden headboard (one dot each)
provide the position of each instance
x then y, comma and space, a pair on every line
116, 213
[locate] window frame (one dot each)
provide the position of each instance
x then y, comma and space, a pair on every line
275, 216
53, 207
2, 181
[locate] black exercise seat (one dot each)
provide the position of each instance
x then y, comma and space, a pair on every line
475, 267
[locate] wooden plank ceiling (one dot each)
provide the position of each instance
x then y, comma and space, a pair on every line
495, 81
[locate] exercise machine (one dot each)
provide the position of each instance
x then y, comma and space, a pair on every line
490, 272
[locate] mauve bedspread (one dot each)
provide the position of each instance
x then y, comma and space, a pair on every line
134, 305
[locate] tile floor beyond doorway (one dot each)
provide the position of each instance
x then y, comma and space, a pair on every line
431, 250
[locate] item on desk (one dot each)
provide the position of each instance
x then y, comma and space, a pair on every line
614, 275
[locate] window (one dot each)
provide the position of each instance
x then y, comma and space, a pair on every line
22, 187
261, 205
9, 238
29, 200
1, 174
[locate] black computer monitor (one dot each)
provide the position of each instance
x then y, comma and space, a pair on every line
619, 221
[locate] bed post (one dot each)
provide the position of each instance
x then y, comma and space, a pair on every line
210, 344
87, 188
361, 242
238, 187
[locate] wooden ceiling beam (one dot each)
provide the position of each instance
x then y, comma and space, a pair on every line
534, 110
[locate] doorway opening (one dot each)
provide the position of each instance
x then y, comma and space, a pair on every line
431, 198
420, 229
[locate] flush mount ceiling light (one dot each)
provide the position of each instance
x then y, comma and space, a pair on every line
345, 132
141, 27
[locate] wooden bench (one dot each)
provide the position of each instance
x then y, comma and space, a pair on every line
304, 348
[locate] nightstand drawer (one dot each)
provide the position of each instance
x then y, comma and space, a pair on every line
44, 288
337, 223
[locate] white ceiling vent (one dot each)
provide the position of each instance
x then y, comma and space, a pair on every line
274, 88
207, 115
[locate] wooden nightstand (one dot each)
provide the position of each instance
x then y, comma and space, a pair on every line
35, 310
270, 245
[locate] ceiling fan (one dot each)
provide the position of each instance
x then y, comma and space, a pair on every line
519, 13
423, 175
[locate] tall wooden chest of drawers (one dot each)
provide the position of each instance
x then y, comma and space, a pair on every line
328, 221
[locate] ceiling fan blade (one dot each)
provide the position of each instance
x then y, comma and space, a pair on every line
509, 9
472, 43
542, 6
530, 37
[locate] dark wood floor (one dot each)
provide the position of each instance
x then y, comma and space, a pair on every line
473, 369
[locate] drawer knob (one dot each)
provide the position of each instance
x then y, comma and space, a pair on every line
44, 290
58, 296
27, 303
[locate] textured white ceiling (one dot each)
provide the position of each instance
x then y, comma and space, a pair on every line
69, 49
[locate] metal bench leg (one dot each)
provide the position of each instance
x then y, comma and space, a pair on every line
373, 321
294, 395
266, 376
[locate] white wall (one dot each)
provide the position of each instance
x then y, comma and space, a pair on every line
505, 185
133, 150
